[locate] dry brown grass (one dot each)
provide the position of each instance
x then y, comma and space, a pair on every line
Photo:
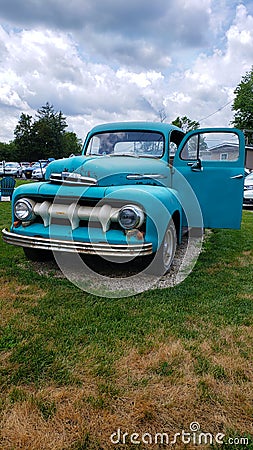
246, 259
158, 391
11, 294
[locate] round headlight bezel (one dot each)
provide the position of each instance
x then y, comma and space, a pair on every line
29, 207
139, 217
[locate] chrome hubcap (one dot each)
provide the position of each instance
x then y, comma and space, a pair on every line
168, 247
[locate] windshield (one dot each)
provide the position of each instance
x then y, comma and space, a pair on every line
127, 143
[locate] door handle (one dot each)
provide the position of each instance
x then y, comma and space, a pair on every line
236, 177
196, 166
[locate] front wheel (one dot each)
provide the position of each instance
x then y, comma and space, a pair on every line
165, 254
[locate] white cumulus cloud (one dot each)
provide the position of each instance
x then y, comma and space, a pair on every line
123, 60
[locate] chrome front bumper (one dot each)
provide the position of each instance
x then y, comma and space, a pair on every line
98, 248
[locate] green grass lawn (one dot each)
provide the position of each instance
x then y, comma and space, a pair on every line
76, 367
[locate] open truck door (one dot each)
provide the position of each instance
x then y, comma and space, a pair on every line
212, 162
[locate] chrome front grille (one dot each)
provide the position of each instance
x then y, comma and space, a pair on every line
74, 213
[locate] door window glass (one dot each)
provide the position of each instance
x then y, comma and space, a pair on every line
213, 146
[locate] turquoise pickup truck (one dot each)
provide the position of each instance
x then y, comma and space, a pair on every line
133, 192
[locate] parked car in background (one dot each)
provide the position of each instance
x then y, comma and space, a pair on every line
24, 165
39, 172
27, 171
36, 170
248, 190
12, 169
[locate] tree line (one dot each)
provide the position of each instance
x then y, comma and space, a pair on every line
45, 136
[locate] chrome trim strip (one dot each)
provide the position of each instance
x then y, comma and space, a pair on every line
72, 178
100, 248
240, 175
140, 176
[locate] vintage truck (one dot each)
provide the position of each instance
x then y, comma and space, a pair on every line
133, 192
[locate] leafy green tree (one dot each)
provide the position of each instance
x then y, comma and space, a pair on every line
185, 123
23, 141
45, 137
48, 131
8, 152
71, 144
55, 120
243, 106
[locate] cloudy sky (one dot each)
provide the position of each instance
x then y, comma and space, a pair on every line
105, 60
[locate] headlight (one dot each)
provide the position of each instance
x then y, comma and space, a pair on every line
23, 209
130, 216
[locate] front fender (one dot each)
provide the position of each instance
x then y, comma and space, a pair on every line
160, 205
24, 191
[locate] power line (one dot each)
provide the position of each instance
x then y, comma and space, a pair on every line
217, 110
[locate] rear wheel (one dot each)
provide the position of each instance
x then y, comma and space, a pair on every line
34, 254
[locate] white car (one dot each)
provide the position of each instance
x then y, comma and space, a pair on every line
248, 190
39, 173
39, 170
12, 169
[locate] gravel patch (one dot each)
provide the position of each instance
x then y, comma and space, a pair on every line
109, 279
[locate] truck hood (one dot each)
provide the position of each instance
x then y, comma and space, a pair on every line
113, 170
